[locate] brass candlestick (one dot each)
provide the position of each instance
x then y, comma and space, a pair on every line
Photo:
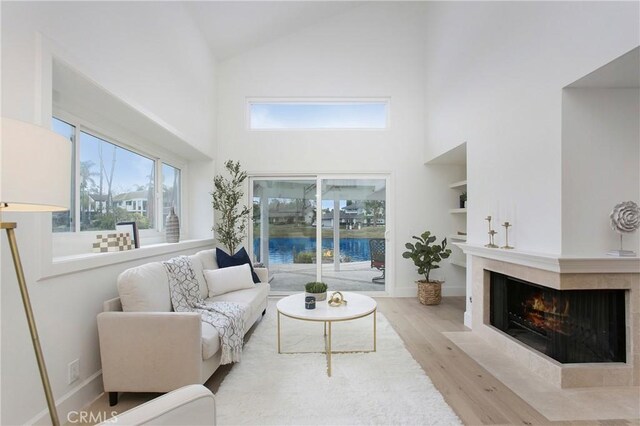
491, 233
506, 245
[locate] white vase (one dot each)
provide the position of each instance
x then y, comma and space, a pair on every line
172, 227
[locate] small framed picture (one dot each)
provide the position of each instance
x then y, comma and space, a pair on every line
132, 229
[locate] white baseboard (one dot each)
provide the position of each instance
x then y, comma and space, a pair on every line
73, 401
453, 291
413, 291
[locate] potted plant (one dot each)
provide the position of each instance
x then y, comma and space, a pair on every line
316, 289
426, 257
463, 200
231, 221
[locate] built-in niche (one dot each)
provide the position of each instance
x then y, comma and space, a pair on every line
600, 152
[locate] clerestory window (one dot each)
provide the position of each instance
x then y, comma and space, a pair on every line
323, 114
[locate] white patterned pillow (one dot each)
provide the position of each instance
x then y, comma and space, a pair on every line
183, 284
224, 280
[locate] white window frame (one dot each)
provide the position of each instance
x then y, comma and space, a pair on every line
77, 240
330, 100
180, 194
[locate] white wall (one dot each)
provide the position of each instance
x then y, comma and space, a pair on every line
151, 56
494, 74
369, 51
600, 166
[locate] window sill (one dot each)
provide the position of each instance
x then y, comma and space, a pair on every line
70, 264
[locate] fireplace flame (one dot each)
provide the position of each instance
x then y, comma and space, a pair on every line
548, 314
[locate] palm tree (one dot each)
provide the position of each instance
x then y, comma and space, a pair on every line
87, 183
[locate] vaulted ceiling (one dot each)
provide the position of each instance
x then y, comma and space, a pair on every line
233, 27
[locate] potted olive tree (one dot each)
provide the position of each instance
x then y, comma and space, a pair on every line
232, 215
426, 257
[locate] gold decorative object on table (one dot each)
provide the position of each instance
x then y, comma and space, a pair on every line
506, 245
491, 233
336, 299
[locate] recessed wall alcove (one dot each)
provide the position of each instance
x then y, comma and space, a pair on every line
600, 155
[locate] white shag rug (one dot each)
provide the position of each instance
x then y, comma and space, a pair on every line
386, 387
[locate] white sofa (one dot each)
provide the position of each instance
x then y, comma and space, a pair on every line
146, 347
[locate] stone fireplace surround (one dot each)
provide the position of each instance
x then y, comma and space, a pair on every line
560, 274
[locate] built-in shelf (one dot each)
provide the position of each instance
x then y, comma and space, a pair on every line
459, 185
459, 263
459, 222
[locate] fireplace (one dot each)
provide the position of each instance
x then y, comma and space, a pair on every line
570, 326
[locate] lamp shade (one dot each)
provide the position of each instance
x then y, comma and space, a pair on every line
35, 173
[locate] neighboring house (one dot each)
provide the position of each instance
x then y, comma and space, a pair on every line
347, 219
135, 202
289, 214
97, 203
355, 208
357, 213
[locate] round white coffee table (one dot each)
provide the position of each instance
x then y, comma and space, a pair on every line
358, 306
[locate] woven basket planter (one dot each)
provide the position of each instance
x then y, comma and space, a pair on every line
430, 293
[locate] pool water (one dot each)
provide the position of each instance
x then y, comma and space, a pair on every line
283, 249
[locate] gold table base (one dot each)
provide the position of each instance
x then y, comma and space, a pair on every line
327, 338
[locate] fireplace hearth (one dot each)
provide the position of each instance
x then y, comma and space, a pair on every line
570, 326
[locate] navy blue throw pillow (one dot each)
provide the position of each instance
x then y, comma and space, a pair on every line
240, 258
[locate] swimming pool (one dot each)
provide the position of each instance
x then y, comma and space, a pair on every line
283, 249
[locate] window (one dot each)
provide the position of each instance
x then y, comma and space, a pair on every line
112, 178
316, 115
114, 184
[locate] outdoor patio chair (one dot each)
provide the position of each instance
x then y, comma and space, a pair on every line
377, 252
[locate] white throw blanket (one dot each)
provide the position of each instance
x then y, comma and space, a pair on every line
226, 317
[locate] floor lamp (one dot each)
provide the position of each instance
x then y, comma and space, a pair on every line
35, 177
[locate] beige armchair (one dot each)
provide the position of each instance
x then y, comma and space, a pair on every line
191, 405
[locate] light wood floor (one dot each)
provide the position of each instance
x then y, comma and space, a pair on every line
474, 394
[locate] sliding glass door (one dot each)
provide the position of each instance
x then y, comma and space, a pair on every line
348, 216
353, 230
284, 230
